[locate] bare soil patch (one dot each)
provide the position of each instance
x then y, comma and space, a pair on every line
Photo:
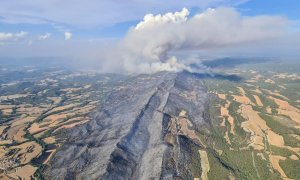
204, 164
286, 109
258, 101
275, 163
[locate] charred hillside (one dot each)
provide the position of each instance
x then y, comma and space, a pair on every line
147, 129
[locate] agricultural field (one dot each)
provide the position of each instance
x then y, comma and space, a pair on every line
255, 122
39, 105
237, 122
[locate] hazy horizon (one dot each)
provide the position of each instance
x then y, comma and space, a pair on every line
149, 36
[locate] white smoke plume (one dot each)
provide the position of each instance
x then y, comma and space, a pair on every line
148, 46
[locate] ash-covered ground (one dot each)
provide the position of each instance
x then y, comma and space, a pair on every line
147, 129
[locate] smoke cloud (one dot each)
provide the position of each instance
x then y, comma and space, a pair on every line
148, 47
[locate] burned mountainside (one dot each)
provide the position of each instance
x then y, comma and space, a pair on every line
147, 129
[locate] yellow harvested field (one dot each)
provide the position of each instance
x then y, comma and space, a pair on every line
12, 131
251, 115
222, 96
72, 125
294, 115
49, 140
275, 139
53, 119
28, 151
25, 172
84, 110
78, 97
61, 108
3, 142
56, 119
4, 177
19, 137
205, 167
295, 150
257, 91
276, 93
40, 134
286, 109
55, 100
22, 121
35, 128
294, 157
3, 106
7, 111
269, 110
258, 101
257, 142
33, 111
14, 96
242, 90
275, 163
256, 126
243, 99
40, 117
224, 114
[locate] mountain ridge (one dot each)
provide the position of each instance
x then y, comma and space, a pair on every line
127, 139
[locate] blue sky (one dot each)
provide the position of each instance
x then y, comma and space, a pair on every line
25, 22
16, 16
288, 8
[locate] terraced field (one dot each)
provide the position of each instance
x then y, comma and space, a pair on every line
34, 120
256, 123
